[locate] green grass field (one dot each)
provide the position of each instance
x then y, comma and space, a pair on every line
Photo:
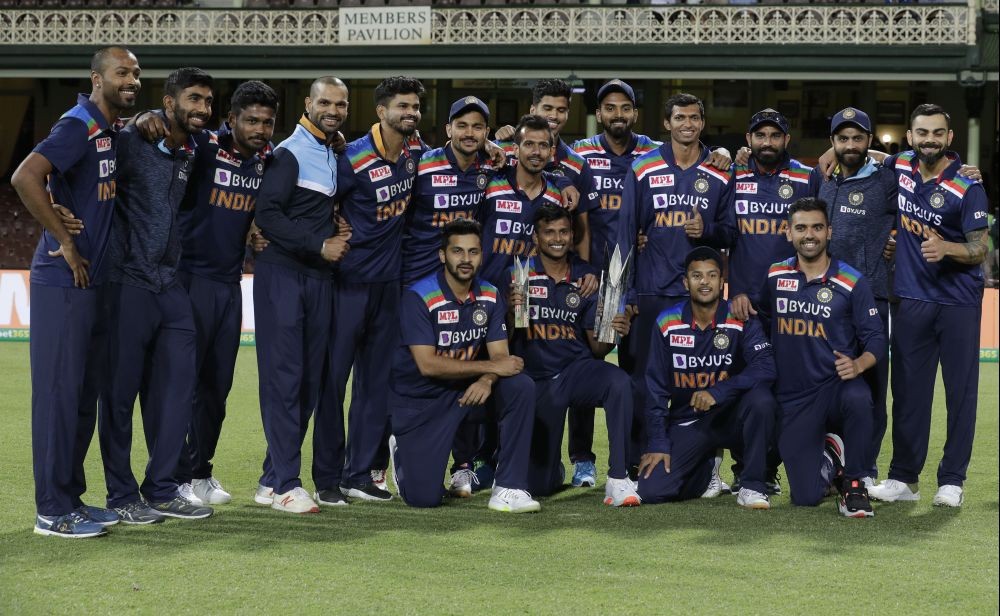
576, 556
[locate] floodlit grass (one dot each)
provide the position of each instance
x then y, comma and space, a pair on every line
576, 556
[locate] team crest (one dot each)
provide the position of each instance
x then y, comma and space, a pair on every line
785, 191
411, 165
701, 185
573, 299
479, 316
720, 341
471, 100
856, 197
557, 171
849, 113
481, 181
937, 200
824, 295
260, 168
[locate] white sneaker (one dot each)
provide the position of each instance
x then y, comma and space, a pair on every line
392, 462
264, 495
716, 485
620, 493
296, 500
186, 492
512, 501
462, 482
869, 482
378, 478
949, 496
891, 491
752, 499
210, 491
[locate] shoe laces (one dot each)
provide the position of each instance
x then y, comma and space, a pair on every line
214, 484
378, 475
464, 476
299, 493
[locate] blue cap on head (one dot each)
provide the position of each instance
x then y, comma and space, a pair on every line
768, 116
616, 85
466, 104
848, 117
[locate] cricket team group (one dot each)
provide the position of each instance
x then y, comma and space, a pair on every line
474, 290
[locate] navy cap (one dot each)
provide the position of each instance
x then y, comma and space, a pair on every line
616, 85
768, 116
851, 116
703, 253
466, 104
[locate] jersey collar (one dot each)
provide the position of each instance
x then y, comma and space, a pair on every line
311, 128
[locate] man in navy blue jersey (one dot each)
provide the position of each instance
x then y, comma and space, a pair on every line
75, 167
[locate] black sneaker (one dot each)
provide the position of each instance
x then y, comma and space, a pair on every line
854, 501
332, 498
366, 491
138, 512
773, 484
180, 508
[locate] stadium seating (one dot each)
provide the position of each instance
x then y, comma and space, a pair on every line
18, 231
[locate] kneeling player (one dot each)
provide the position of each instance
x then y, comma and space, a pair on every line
437, 379
715, 373
826, 331
559, 352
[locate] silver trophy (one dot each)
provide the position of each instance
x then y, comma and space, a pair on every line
521, 275
611, 296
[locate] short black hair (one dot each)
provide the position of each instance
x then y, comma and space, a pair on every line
186, 77
550, 212
808, 204
100, 57
703, 253
532, 122
930, 109
251, 93
683, 100
393, 86
460, 226
550, 87
325, 81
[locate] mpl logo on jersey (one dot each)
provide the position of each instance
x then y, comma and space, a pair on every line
447, 316
223, 177
538, 291
788, 284
599, 163
227, 158
749, 188
380, 173
510, 207
444, 181
103, 144
685, 341
907, 183
440, 202
661, 180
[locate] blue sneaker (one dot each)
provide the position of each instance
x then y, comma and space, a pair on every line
584, 474
70, 526
104, 517
486, 475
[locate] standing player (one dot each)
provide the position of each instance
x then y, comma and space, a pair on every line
714, 371
75, 164
293, 293
939, 281
152, 338
439, 378
215, 220
375, 185
826, 332
609, 156
559, 350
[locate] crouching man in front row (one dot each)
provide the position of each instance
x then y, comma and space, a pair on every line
438, 378
714, 372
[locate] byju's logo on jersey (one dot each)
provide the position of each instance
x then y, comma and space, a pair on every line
444, 181
907, 183
448, 316
444, 339
788, 284
103, 144
533, 312
440, 202
599, 163
382, 194
380, 173
223, 177
749, 188
660, 202
503, 226
781, 304
682, 340
107, 167
511, 207
661, 180
680, 361
743, 206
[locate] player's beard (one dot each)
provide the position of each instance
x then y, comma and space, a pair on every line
930, 158
619, 131
397, 125
857, 158
768, 158
458, 274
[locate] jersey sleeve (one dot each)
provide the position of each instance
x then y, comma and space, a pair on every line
867, 323
628, 228
498, 321
276, 191
759, 358
590, 199
974, 209
65, 145
415, 321
657, 395
721, 231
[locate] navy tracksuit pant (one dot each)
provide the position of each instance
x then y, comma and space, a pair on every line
745, 426
878, 380
68, 358
590, 382
218, 313
925, 334
425, 429
367, 317
292, 314
150, 354
841, 407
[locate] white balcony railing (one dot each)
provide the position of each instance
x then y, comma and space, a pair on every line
826, 24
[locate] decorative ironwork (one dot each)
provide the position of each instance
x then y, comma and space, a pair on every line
904, 24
